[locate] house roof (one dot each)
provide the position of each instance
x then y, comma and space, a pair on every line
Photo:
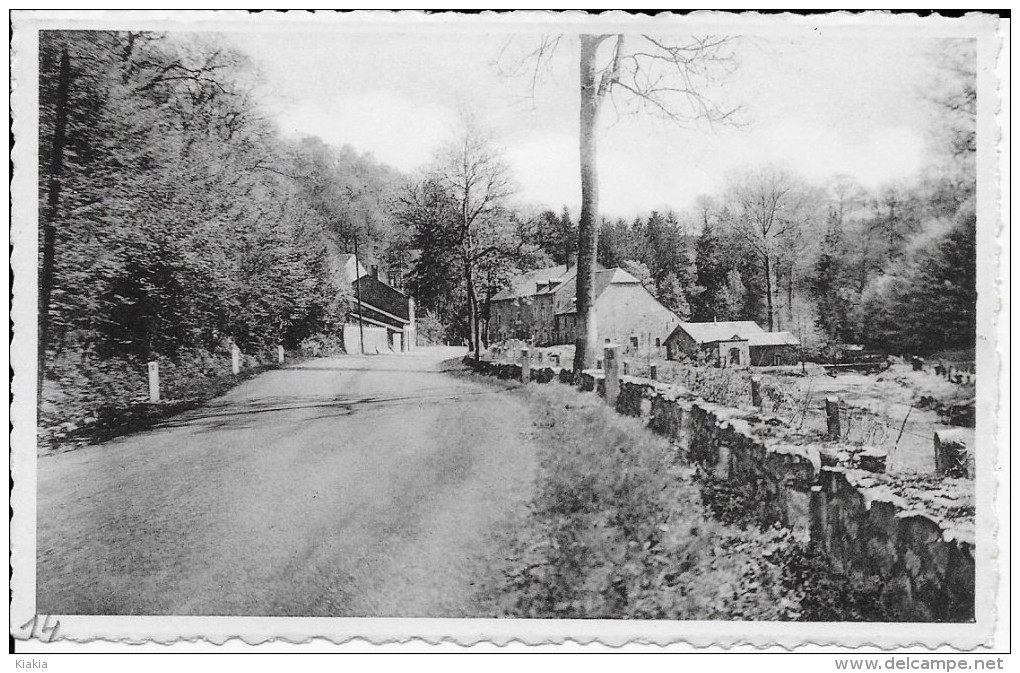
526, 284
707, 332
603, 279
382, 297
773, 339
342, 262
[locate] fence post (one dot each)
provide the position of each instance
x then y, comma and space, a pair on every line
612, 374
279, 354
235, 358
832, 417
525, 366
154, 382
756, 391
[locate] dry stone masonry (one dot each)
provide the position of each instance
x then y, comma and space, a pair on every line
916, 544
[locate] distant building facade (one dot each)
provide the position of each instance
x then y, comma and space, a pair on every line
739, 343
540, 307
382, 313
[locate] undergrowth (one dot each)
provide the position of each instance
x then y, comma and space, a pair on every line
86, 399
621, 527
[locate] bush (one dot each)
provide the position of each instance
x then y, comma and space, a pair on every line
618, 530
86, 398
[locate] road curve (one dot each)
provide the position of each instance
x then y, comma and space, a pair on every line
352, 486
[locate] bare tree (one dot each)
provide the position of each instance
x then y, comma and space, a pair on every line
767, 207
636, 73
475, 175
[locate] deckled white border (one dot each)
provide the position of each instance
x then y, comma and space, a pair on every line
468, 631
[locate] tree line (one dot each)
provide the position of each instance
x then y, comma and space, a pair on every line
173, 216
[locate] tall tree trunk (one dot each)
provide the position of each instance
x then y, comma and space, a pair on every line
789, 297
472, 301
769, 289
49, 219
586, 343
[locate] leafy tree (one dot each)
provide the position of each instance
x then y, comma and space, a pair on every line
732, 297
830, 286
640, 271
710, 269
671, 294
475, 176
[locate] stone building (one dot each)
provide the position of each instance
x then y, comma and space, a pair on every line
734, 343
540, 307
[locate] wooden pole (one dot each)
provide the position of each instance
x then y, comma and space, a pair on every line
357, 289
525, 366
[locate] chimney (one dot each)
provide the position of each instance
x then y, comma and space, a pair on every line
375, 271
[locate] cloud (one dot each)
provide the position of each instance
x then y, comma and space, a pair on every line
396, 130
546, 169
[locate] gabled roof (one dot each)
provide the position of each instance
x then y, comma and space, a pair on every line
341, 264
773, 339
706, 332
603, 279
382, 297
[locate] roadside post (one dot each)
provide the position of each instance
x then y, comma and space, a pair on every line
235, 358
525, 366
612, 374
154, 382
756, 391
832, 417
279, 354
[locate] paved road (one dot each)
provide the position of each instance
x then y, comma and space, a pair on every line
360, 486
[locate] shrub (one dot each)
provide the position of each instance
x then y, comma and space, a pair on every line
617, 529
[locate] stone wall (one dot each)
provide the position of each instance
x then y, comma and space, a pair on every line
925, 565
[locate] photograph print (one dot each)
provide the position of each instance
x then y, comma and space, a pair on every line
680, 325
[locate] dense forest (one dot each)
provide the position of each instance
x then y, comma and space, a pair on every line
175, 220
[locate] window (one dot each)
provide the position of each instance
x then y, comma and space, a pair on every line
658, 342
734, 356
634, 342
777, 359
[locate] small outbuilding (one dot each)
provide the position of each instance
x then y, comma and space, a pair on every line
732, 343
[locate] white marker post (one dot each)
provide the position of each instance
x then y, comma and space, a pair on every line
279, 354
235, 358
154, 382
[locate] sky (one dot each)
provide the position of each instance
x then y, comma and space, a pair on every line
820, 104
